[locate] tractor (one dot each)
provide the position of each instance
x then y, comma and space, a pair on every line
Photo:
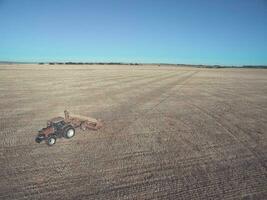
56, 128
59, 127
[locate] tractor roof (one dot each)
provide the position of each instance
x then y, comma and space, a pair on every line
56, 119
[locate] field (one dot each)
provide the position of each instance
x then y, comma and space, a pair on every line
169, 132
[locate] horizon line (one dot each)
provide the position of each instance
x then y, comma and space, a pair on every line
126, 63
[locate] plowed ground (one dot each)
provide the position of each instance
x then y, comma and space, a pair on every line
169, 133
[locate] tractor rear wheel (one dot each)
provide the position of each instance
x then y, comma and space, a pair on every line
69, 133
51, 140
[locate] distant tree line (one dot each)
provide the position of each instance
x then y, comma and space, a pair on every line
158, 64
87, 63
255, 66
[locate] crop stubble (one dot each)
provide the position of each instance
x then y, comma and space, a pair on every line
170, 133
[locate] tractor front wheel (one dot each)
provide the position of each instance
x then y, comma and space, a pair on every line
51, 140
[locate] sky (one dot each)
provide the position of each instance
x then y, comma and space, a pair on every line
223, 32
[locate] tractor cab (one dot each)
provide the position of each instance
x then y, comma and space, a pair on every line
56, 122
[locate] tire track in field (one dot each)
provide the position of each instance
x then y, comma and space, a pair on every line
226, 103
232, 94
146, 97
111, 92
85, 80
88, 81
127, 186
133, 87
56, 183
226, 125
139, 86
134, 80
163, 89
118, 82
25, 170
113, 78
117, 79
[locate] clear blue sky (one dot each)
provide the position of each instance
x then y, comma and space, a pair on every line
230, 32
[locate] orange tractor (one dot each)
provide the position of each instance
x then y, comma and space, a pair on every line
65, 127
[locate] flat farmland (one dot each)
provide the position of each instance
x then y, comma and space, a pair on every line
169, 132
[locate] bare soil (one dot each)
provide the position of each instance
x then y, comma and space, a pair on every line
169, 133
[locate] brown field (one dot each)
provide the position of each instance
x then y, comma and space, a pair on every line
170, 133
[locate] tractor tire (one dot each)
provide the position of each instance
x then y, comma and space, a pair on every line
51, 140
69, 132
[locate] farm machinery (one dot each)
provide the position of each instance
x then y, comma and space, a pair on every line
59, 127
